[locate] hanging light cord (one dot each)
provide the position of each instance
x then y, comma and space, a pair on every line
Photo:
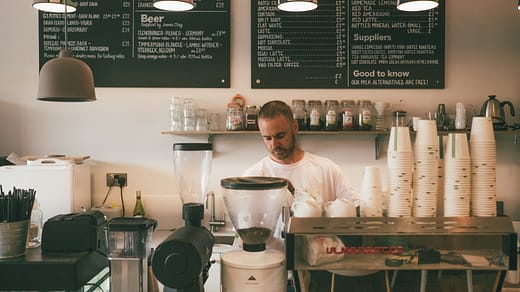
65, 18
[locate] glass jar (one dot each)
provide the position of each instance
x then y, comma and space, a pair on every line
399, 118
190, 120
235, 117
251, 117
299, 113
176, 114
347, 115
364, 116
331, 115
315, 122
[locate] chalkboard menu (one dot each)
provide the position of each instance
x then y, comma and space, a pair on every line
347, 44
129, 43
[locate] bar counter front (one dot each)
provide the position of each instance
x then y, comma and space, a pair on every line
444, 243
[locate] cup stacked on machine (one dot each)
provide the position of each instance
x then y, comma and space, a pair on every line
483, 167
400, 172
426, 170
371, 202
457, 176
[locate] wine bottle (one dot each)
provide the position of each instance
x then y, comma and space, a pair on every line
138, 209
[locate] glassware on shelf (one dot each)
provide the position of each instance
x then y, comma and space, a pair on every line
176, 114
190, 120
381, 107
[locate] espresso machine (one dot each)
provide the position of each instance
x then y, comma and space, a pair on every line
254, 205
182, 261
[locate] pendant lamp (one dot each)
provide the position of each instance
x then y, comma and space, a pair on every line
174, 5
66, 78
416, 5
58, 6
518, 4
297, 5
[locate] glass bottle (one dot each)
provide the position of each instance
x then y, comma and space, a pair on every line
251, 117
298, 109
35, 226
315, 122
138, 208
347, 113
364, 116
331, 115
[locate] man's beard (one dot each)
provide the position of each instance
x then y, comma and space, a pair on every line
283, 153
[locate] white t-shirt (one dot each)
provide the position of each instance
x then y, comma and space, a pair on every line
314, 174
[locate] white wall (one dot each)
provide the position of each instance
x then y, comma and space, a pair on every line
121, 131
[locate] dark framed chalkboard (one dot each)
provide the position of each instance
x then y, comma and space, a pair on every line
129, 43
347, 44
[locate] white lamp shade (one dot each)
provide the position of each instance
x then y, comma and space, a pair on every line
174, 5
57, 6
66, 78
297, 5
416, 5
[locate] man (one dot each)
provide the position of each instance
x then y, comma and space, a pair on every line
306, 172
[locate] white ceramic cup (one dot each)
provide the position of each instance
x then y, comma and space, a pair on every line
340, 208
307, 208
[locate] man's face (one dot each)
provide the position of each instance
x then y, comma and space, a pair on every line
279, 137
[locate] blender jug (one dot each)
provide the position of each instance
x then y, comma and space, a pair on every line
192, 163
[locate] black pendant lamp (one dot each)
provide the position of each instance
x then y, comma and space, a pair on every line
174, 5
416, 5
65, 78
57, 6
297, 5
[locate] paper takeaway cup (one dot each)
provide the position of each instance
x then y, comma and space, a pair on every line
426, 133
371, 176
482, 130
399, 140
457, 146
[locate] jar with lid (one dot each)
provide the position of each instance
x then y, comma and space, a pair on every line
299, 113
331, 115
235, 117
315, 121
251, 117
364, 115
399, 118
347, 115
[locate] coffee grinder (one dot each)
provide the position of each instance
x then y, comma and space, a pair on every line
182, 261
254, 205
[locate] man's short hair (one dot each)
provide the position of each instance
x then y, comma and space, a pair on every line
275, 108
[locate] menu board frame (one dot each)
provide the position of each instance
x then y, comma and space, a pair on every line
129, 43
357, 44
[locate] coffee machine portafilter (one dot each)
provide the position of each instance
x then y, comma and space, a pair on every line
182, 261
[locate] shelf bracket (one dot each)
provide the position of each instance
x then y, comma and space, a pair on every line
379, 145
210, 138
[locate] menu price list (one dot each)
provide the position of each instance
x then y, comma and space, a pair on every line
129, 43
347, 44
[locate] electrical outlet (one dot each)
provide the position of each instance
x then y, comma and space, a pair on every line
113, 179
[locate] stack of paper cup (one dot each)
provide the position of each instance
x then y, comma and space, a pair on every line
457, 176
371, 203
440, 187
483, 167
426, 170
400, 172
